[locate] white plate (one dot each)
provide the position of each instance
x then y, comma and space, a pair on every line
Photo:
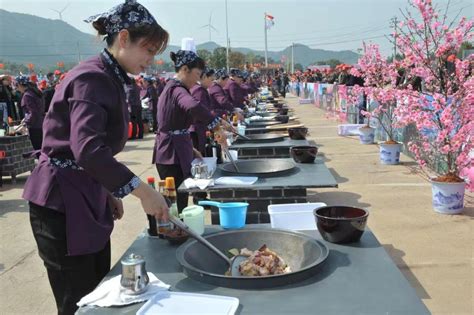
174, 303
236, 180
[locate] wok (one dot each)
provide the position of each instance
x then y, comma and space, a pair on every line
302, 253
261, 138
259, 167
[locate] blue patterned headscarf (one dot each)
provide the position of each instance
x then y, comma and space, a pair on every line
22, 79
123, 16
221, 74
185, 57
235, 72
208, 71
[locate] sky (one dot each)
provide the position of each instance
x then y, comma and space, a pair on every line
323, 24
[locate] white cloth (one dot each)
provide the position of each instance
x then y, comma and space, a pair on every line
236, 180
200, 183
110, 293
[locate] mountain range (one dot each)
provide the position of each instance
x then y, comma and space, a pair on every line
44, 42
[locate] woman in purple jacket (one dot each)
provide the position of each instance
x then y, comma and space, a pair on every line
32, 103
200, 93
220, 102
177, 110
74, 192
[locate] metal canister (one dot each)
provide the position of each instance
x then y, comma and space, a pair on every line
134, 276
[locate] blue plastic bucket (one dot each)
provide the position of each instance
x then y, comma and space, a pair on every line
231, 214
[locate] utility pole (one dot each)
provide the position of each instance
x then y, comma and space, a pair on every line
292, 57
266, 46
227, 36
394, 23
78, 53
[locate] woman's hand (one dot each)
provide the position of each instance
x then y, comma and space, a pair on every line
116, 206
152, 201
221, 137
197, 154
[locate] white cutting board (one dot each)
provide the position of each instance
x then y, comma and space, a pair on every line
175, 303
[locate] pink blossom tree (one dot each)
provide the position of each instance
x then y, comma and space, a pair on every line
380, 80
443, 112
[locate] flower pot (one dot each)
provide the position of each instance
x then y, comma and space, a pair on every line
366, 135
448, 198
390, 153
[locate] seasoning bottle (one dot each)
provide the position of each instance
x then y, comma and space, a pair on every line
235, 120
163, 226
152, 230
171, 189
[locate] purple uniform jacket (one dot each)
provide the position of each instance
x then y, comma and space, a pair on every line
236, 93
201, 95
33, 107
133, 99
220, 103
87, 123
177, 110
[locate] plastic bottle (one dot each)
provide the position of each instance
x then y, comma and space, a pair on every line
152, 229
171, 189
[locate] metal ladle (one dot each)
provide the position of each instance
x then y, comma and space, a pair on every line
234, 262
231, 158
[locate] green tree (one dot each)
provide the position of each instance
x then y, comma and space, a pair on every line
331, 62
236, 59
205, 54
299, 67
218, 58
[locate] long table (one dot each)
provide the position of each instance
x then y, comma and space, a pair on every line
358, 278
287, 188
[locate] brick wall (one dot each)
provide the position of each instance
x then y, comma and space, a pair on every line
14, 163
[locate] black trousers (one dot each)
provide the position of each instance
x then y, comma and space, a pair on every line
154, 124
36, 137
137, 124
70, 277
174, 171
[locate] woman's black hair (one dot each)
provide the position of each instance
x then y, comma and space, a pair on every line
196, 63
33, 87
154, 34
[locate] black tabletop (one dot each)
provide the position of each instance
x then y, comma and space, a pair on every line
355, 279
304, 175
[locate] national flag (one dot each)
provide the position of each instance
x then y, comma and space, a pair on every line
269, 21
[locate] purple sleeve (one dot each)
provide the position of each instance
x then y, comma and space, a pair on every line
235, 95
223, 101
89, 107
199, 112
27, 106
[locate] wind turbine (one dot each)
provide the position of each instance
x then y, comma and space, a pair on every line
209, 25
61, 11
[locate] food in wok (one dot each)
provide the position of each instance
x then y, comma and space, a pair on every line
261, 262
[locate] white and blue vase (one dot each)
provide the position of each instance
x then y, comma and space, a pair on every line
448, 198
390, 153
366, 135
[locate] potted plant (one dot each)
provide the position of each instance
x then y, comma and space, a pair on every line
443, 112
380, 80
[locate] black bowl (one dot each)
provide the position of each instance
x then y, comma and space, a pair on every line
278, 105
176, 236
298, 133
283, 111
304, 153
341, 224
282, 118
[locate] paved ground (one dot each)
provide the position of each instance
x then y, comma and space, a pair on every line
434, 252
